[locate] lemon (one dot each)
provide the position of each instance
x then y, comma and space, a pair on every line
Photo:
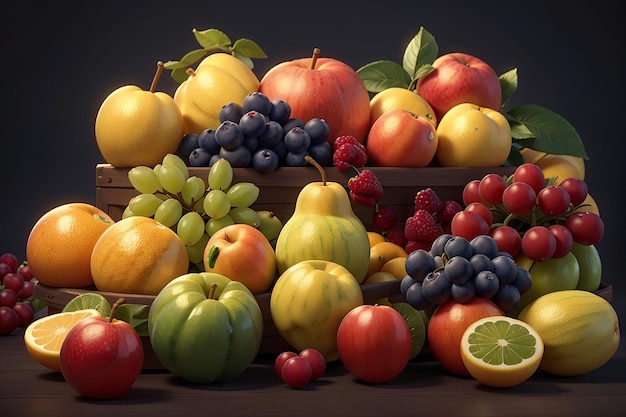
400, 98
580, 331
89, 300
44, 336
501, 351
553, 165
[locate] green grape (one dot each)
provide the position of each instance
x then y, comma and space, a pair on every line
173, 159
220, 175
190, 228
169, 212
245, 215
171, 178
193, 190
199, 206
156, 169
145, 204
242, 194
127, 213
195, 252
213, 225
144, 179
216, 204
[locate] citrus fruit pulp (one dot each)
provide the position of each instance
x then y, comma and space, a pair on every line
89, 300
501, 351
44, 336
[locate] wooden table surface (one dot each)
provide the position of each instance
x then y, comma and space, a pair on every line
423, 389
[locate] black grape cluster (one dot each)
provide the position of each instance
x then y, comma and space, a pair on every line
458, 269
260, 134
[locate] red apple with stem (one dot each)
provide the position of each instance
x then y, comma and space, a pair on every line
322, 87
460, 78
242, 253
101, 357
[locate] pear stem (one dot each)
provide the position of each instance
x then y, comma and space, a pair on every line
212, 291
313, 162
316, 54
157, 75
118, 303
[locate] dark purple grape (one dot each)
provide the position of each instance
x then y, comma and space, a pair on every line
322, 153
415, 297
436, 287
291, 123
280, 111
231, 112
257, 101
438, 261
229, 135
484, 244
406, 282
481, 262
459, 270
252, 123
507, 298
318, 129
239, 157
206, 140
281, 150
188, 143
272, 135
464, 292
418, 264
214, 159
297, 140
505, 268
199, 157
293, 159
265, 161
486, 284
458, 246
523, 280
251, 143
436, 249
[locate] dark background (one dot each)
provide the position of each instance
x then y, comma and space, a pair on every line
61, 59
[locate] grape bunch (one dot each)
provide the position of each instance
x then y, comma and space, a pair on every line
194, 211
458, 269
528, 213
17, 303
260, 134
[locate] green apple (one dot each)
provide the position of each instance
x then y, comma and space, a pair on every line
205, 327
590, 266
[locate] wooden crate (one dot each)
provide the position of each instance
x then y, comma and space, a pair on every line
280, 189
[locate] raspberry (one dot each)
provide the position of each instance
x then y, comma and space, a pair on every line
421, 226
427, 199
395, 234
413, 245
341, 140
384, 217
365, 188
448, 210
349, 155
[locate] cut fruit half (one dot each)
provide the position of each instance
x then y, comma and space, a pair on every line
44, 336
416, 325
501, 351
89, 300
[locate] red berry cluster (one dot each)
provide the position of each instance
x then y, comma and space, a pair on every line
431, 218
16, 292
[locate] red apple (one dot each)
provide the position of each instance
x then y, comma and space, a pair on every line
101, 357
242, 253
374, 343
322, 87
460, 78
399, 138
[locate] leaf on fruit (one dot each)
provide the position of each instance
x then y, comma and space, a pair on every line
212, 39
248, 48
515, 158
380, 75
421, 50
136, 315
508, 84
541, 129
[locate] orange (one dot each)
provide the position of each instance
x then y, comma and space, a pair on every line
447, 325
138, 255
395, 266
44, 336
59, 246
382, 252
376, 278
375, 237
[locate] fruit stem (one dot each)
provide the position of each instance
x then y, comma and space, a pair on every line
316, 54
157, 75
212, 291
118, 303
313, 162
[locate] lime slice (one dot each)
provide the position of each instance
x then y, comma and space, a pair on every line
501, 351
89, 300
416, 325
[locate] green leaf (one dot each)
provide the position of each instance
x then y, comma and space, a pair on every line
245, 60
248, 48
136, 315
212, 39
179, 74
515, 158
544, 130
380, 75
421, 50
172, 65
194, 56
508, 83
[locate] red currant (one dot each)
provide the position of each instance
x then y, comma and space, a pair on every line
538, 243
531, 174
491, 188
519, 198
553, 200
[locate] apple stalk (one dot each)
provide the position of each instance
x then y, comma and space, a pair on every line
114, 308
